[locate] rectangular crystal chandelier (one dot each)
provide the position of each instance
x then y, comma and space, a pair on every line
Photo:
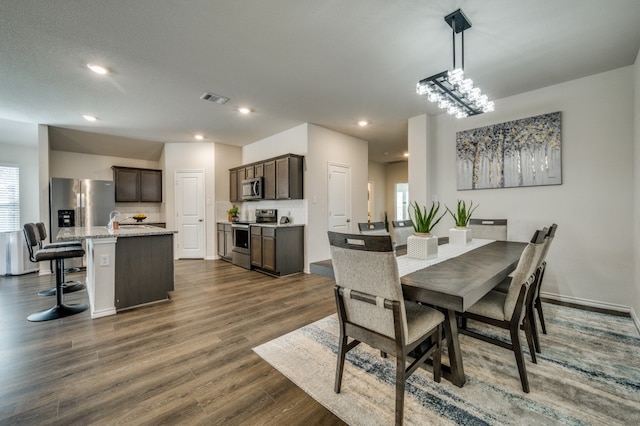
450, 89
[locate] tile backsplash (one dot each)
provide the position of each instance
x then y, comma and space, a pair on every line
295, 209
152, 210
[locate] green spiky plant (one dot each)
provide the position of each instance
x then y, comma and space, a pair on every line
463, 214
424, 222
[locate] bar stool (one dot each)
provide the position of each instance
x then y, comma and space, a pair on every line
67, 286
60, 310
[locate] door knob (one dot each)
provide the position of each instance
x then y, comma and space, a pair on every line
199, 220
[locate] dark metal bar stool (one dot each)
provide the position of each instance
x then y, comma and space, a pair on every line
67, 286
60, 310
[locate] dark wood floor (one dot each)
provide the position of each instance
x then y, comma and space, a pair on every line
187, 361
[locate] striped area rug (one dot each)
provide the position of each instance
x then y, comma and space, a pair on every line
588, 373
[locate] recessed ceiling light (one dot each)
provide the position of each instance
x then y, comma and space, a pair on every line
98, 69
363, 123
89, 117
244, 110
199, 137
406, 154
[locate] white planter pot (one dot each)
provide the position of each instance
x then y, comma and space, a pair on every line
422, 247
459, 236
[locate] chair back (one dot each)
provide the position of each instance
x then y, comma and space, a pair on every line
372, 228
550, 235
367, 264
527, 265
401, 230
32, 238
42, 233
490, 229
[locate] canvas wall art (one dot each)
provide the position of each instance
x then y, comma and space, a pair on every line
524, 152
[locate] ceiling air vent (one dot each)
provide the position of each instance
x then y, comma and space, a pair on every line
211, 97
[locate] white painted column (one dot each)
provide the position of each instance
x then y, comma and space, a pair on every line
419, 143
101, 259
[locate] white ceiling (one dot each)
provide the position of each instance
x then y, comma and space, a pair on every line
326, 62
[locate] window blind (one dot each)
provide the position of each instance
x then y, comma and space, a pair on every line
9, 198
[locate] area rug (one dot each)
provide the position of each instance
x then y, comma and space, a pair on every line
588, 373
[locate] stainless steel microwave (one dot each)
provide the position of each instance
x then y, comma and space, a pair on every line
252, 188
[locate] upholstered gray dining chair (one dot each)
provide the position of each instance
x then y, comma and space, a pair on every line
489, 229
371, 309
533, 302
402, 229
507, 310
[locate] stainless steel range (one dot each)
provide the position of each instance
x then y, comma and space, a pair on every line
241, 253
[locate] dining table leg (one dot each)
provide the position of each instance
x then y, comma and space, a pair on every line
453, 348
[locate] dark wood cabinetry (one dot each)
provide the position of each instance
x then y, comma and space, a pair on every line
143, 270
137, 185
277, 250
283, 178
225, 241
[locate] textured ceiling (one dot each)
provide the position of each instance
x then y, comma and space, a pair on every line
329, 62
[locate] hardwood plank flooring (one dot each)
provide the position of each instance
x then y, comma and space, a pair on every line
186, 361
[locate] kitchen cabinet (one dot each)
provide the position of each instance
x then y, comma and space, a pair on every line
143, 270
277, 250
225, 241
233, 186
282, 178
137, 185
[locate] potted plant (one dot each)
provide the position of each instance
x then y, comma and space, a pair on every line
232, 213
424, 222
461, 234
423, 245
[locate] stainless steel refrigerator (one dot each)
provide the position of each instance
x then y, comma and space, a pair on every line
79, 202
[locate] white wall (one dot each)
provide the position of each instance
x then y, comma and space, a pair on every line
591, 258
185, 157
291, 141
64, 164
327, 146
636, 305
378, 178
226, 157
26, 158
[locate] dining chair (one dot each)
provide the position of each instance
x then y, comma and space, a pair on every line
371, 309
489, 229
533, 302
372, 228
402, 229
507, 310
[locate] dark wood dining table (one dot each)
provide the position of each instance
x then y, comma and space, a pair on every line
456, 284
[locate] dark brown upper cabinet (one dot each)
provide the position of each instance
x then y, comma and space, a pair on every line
283, 178
137, 185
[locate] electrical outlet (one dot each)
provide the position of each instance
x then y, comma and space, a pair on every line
104, 260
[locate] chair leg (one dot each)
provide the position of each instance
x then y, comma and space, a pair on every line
437, 356
534, 328
517, 350
342, 351
530, 339
400, 379
538, 305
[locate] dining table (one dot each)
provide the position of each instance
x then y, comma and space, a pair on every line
455, 282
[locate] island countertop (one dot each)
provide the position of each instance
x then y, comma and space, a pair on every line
81, 233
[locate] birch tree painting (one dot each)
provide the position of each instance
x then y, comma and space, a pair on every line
523, 152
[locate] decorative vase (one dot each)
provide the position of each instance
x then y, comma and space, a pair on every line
229, 216
422, 246
459, 236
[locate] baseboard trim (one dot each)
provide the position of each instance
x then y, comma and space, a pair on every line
636, 320
587, 304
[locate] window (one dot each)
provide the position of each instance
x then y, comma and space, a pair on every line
9, 198
402, 200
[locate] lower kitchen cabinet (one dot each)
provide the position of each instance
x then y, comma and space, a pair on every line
277, 250
225, 241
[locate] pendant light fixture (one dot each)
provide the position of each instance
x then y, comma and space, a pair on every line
450, 89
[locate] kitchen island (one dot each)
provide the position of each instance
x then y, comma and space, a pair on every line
126, 267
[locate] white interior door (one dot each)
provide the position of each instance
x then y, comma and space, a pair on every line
339, 198
190, 205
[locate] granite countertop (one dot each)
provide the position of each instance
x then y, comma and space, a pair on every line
80, 233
